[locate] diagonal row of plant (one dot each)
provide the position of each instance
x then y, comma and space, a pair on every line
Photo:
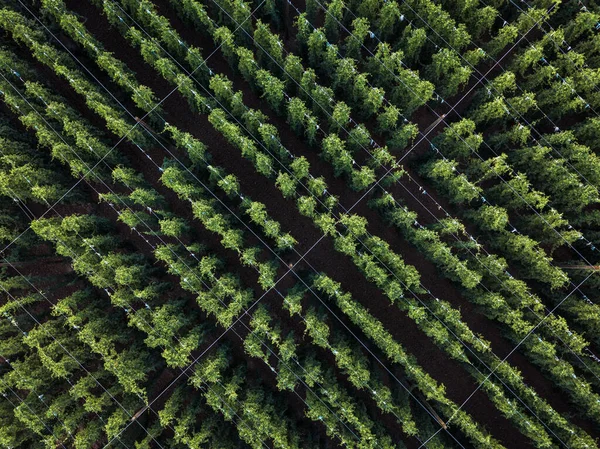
388, 69
313, 321
523, 36
50, 352
23, 348
520, 181
592, 248
468, 191
274, 46
255, 204
580, 78
58, 111
558, 325
469, 277
37, 412
329, 47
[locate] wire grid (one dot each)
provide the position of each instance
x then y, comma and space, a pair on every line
353, 206
302, 256
163, 49
346, 209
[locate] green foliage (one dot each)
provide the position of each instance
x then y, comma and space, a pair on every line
447, 69
457, 186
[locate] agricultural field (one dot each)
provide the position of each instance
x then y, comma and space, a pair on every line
300, 224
